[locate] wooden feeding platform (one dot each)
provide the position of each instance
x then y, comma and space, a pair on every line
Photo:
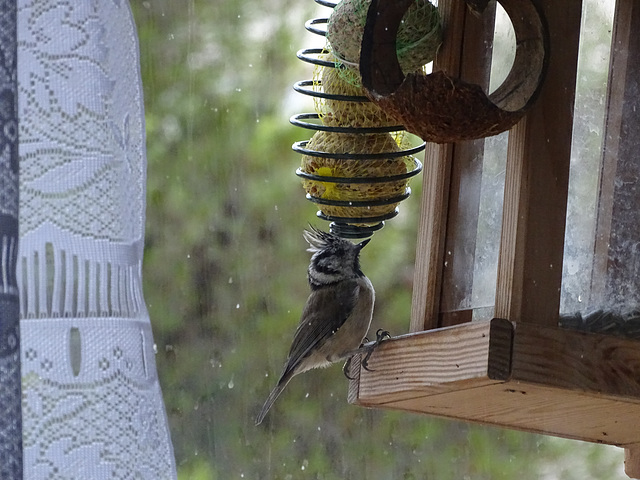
517, 375
515, 367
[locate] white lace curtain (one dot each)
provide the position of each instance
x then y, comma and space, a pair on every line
91, 402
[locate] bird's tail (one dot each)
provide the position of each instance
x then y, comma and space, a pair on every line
275, 393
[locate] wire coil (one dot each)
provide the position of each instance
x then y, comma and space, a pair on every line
352, 171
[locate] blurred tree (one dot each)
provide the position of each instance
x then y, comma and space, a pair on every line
225, 269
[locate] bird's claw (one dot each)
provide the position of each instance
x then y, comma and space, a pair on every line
347, 367
381, 335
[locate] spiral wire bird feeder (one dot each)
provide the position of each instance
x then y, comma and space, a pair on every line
357, 165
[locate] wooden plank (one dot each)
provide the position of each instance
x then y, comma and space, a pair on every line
509, 283
431, 362
536, 183
430, 243
515, 375
567, 359
535, 409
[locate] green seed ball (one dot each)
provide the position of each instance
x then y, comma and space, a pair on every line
419, 33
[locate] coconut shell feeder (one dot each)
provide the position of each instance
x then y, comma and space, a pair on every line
516, 363
442, 108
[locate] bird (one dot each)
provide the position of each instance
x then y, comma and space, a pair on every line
337, 315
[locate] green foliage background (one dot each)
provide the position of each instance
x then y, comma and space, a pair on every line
225, 272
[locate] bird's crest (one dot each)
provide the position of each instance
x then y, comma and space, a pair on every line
319, 240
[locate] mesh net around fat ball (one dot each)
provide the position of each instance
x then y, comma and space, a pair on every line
419, 35
345, 113
332, 142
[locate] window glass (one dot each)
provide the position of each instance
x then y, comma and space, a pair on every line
225, 268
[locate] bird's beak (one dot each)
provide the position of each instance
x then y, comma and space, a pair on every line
363, 243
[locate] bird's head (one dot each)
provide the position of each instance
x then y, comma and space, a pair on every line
334, 258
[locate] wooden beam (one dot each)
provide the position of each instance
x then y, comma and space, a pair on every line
431, 233
435, 361
515, 375
533, 409
536, 183
604, 365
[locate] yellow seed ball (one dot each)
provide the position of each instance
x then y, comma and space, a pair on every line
331, 142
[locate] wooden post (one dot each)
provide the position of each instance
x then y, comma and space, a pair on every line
431, 231
435, 189
536, 183
632, 461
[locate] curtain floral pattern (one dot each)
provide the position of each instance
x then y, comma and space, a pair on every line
92, 405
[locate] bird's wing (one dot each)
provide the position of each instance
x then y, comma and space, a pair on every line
324, 313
